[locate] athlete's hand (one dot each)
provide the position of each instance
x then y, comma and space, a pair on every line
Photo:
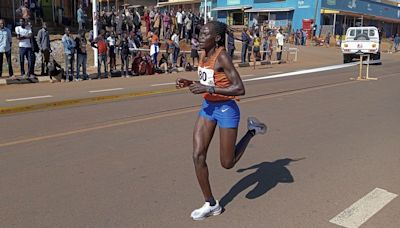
197, 88
182, 83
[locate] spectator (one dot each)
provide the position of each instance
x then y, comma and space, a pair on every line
179, 20
24, 35
55, 70
231, 43
24, 11
396, 42
194, 53
81, 17
111, 42
157, 23
69, 50
163, 64
124, 50
256, 47
175, 40
81, 55
328, 39
5, 48
35, 50
146, 19
280, 42
101, 46
188, 28
304, 37
43, 40
154, 48
251, 43
266, 47
245, 44
166, 23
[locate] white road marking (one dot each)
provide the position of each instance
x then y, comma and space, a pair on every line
105, 90
279, 74
358, 213
28, 98
308, 71
162, 84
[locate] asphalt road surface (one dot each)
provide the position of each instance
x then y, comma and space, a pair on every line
333, 144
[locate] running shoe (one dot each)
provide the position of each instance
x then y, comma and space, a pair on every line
206, 210
255, 124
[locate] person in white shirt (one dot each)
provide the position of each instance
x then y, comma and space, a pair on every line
279, 39
111, 41
24, 35
179, 21
175, 40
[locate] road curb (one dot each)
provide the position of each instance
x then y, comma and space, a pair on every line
73, 102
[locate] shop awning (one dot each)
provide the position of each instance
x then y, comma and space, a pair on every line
177, 2
227, 8
260, 10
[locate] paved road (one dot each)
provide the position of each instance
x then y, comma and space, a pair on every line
127, 163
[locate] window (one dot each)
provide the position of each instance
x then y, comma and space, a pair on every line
352, 32
371, 32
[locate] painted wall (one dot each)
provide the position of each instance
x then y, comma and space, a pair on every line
369, 7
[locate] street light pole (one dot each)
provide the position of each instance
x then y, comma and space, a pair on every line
94, 15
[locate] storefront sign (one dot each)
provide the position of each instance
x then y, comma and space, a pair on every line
303, 4
363, 6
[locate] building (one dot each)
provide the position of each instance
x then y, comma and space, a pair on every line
329, 15
185, 5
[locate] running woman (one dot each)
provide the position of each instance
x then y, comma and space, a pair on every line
220, 84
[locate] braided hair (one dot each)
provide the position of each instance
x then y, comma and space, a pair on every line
219, 28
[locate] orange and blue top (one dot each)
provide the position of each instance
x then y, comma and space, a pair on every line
208, 77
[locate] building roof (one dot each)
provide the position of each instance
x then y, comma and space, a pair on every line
257, 10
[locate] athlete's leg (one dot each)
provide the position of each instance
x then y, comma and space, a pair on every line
229, 152
202, 135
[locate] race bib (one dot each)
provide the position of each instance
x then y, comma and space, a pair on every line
206, 76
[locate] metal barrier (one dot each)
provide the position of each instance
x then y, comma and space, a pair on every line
360, 71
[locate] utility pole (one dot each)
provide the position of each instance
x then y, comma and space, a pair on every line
95, 32
205, 11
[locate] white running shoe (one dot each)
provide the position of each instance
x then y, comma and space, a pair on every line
206, 210
255, 124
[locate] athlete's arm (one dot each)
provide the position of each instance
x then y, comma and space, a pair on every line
235, 89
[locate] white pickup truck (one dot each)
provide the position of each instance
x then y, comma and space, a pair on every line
361, 40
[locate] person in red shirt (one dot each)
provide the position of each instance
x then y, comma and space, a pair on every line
101, 45
220, 84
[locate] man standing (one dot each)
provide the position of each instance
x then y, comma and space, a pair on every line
279, 39
24, 34
175, 40
396, 42
179, 20
5, 48
81, 17
231, 43
81, 54
245, 44
69, 47
43, 40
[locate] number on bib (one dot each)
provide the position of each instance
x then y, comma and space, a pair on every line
206, 76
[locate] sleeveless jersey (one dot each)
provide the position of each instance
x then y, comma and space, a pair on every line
209, 77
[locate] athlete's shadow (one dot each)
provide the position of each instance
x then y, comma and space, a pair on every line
267, 175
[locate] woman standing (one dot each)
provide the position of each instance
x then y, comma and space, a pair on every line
220, 84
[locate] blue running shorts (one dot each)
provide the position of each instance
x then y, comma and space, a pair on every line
225, 113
